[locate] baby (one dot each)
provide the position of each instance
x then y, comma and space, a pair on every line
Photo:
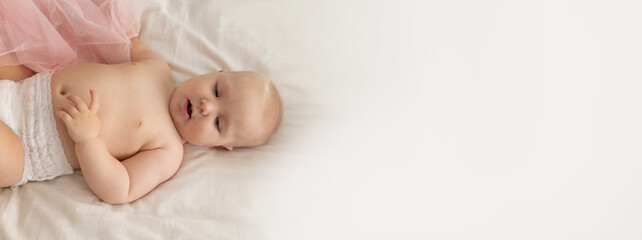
124, 125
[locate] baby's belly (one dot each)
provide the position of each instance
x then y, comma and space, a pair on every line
67, 145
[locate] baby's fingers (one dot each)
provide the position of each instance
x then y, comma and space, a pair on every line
64, 116
80, 104
69, 109
93, 106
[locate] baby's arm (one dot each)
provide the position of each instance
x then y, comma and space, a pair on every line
140, 52
146, 60
122, 182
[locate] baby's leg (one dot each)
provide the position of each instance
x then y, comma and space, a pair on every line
15, 73
11, 157
11, 151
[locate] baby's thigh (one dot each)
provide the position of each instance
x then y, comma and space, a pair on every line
15, 73
11, 157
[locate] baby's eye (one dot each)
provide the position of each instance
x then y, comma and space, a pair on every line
218, 123
216, 90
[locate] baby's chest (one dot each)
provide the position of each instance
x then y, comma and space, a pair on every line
131, 128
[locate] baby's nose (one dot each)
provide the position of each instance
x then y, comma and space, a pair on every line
205, 107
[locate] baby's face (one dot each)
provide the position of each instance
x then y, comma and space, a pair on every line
221, 109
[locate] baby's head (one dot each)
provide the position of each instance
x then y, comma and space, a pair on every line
226, 109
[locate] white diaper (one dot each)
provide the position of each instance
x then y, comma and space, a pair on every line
25, 107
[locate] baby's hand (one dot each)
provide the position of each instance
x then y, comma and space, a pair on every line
82, 122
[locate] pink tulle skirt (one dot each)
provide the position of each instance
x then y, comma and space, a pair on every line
46, 35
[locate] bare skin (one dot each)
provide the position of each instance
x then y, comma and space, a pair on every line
11, 151
121, 134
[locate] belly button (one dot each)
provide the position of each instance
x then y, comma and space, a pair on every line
63, 92
140, 123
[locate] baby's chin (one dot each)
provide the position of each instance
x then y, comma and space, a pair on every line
178, 127
175, 113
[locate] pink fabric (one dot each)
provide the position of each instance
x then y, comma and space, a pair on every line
46, 35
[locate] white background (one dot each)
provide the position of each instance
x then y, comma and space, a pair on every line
464, 120
452, 119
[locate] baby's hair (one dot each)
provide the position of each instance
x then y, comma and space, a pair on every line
272, 111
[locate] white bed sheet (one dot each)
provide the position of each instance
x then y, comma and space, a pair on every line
215, 194
403, 120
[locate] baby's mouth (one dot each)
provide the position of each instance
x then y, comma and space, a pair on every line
189, 109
